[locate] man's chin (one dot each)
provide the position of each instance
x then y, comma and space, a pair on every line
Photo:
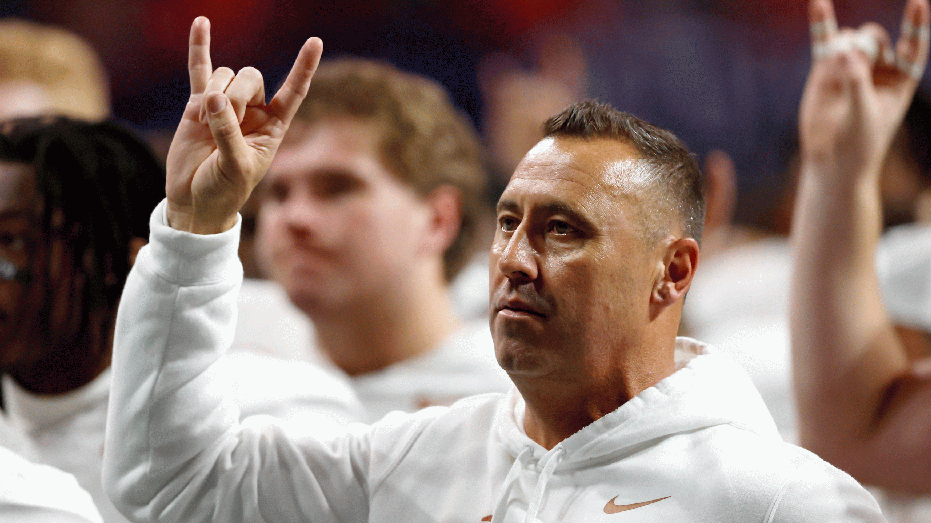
521, 360
318, 304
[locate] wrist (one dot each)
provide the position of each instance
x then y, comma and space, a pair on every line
832, 171
184, 218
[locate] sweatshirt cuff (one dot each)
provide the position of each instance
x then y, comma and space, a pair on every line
186, 258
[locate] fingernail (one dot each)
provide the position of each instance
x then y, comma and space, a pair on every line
215, 104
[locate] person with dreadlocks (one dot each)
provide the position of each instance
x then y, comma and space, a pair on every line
75, 199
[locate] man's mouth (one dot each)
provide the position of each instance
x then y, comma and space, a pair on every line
517, 308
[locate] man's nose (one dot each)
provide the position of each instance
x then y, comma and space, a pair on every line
303, 213
518, 260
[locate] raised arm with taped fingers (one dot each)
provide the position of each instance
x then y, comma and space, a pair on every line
862, 405
228, 135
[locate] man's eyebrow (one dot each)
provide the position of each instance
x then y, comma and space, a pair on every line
507, 205
560, 208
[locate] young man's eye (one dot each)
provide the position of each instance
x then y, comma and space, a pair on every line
276, 192
12, 242
338, 185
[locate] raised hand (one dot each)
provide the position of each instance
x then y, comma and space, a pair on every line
228, 135
860, 404
859, 88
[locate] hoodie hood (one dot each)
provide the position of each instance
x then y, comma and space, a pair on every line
707, 389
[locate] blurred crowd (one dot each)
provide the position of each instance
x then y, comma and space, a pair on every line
365, 249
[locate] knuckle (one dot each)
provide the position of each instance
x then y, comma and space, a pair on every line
250, 72
223, 72
223, 127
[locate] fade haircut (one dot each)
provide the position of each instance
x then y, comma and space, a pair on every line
676, 179
96, 185
423, 139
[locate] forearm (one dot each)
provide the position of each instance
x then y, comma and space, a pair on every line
175, 449
160, 349
845, 355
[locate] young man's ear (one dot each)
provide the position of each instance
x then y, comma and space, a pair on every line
445, 220
679, 262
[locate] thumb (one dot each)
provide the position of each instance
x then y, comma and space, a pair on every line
224, 126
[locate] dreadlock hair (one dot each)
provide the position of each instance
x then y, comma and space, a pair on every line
97, 184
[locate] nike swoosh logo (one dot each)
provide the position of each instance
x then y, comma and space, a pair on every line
613, 508
487, 518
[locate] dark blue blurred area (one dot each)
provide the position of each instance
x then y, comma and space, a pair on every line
12, 8
723, 74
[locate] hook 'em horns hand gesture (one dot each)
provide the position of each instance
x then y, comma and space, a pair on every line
859, 88
228, 135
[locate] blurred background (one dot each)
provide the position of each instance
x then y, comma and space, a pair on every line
722, 74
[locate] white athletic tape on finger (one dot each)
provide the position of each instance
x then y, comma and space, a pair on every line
846, 42
821, 30
819, 51
910, 30
889, 57
914, 69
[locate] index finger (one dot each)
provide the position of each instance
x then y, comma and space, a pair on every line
822, 24
198, 57
294, 89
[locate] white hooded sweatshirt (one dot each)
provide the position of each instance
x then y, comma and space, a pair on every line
698, 446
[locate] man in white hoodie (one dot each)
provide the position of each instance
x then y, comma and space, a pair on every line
596, 246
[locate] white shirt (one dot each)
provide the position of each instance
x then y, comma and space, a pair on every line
68, 430
34, 493
698, 446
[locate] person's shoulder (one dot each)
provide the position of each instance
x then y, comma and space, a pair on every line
26, 488
433, 431
467, 417
797, 484
464, 364
816, 491
474, 410
287, 388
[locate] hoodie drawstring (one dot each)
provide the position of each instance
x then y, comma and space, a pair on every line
548, 467
519, 462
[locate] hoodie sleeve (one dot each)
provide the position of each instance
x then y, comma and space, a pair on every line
818, 492
175, 448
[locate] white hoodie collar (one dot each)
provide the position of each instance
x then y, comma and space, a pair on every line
706, 389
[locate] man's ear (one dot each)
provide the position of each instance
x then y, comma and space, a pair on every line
445, 220
679, 262
134, 245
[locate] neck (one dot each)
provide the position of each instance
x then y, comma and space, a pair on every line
558, 407
66, 366
372, 336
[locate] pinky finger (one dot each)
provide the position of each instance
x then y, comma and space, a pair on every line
912, 47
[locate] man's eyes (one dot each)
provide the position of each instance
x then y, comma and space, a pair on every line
561, 228
556, 227
507, 223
